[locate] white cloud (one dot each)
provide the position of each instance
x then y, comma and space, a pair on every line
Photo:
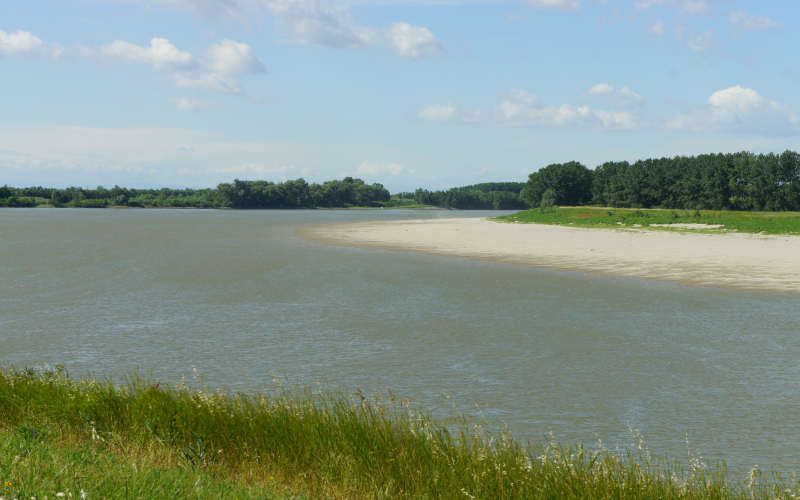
519, 108
692, 7
622, 95
569, 115
657, 29
438, 112
412, 41
556, 4
739, 109
217, 72
324, 23
317, 22
161, 54
188, 104
234, 58
210, 82
367, 168
25, 43
19, 43
748, 21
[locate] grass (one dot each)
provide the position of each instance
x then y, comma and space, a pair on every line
396, 202
744, 222
47, 461
144, 440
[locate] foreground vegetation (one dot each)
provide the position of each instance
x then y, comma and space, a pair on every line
716, 220
93, 439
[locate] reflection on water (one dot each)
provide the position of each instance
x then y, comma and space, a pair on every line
240, 296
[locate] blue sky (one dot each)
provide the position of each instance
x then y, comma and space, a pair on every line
410, 93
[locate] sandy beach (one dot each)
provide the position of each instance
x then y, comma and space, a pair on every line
742, 261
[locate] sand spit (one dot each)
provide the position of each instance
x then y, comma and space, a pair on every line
743, 261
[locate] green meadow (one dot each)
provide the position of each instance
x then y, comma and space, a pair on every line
61, 437
724, 220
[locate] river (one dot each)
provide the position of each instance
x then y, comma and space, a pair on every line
242, 298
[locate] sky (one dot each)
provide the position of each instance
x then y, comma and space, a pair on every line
408, 93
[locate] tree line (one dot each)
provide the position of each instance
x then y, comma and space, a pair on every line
238, 194
732, 181
485, 196
723, 181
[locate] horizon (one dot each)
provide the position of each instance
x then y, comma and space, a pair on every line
427, 93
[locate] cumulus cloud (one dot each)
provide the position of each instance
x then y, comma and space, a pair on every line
519, 108
621, 95
19, 43
161, 54
556, 4
412, 41
25, 43
739, 109
748, 21
234, 58
318, 22
218, 71
324, 23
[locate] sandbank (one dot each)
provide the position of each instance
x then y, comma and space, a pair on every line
731, 260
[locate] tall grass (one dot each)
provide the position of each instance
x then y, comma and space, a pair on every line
296, 442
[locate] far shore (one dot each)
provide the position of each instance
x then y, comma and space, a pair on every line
731, 260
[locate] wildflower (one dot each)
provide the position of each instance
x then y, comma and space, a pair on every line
84, 495
61, 494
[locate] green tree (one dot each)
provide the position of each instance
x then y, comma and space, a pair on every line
571, 182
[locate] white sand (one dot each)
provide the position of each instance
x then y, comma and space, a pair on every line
743, 261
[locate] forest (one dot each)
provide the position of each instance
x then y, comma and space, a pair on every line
348, 192
238, 194
723, 181
486, 196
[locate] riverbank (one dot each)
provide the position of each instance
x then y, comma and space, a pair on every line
727, 260
90, 439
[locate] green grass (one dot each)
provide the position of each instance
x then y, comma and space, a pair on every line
43, 461
744, 222
403, 203
144, 440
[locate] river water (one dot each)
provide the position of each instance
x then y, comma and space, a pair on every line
241, 297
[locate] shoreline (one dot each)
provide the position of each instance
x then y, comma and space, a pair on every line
731, 260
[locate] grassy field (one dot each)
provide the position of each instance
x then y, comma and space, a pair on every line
744, 222
88, 439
